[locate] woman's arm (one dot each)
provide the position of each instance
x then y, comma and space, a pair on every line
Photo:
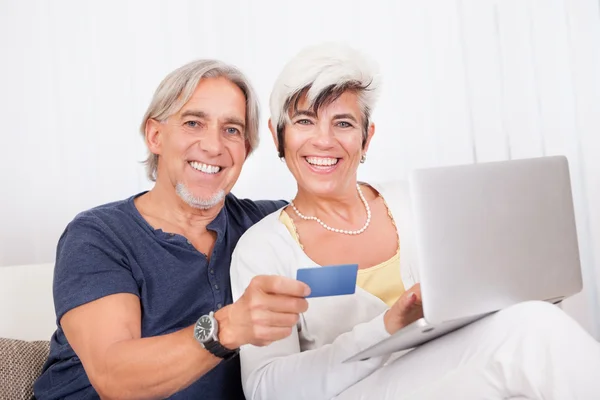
280, 370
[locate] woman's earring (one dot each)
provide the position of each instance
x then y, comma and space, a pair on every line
282, 159
363, 158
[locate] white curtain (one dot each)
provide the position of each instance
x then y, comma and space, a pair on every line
465, 81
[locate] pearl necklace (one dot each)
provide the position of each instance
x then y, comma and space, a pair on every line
344, 231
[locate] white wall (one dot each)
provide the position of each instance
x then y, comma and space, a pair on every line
465, 81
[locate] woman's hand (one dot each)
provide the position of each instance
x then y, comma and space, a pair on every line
406, 310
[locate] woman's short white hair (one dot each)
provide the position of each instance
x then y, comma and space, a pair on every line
322, 73
179, 86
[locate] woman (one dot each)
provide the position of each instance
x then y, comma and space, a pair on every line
320, 120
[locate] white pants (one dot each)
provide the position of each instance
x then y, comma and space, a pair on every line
532, 350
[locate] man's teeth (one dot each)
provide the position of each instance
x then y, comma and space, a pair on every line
207, 169
323, 161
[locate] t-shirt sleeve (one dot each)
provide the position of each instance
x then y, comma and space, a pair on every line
91, 263
267, 207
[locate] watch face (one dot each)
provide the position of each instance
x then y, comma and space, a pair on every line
203, 329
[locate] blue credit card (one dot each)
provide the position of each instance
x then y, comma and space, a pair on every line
332, 280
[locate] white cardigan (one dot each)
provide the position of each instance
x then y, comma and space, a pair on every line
308, 363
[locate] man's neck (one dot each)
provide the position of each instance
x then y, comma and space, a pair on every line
166, 210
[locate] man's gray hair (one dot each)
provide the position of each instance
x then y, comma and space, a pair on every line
179, 86
322, 73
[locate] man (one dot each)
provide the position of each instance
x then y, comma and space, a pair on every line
137, 281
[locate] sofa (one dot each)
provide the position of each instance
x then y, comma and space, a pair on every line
27, 322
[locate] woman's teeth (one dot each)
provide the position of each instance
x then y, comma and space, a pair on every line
322, 161
207, 169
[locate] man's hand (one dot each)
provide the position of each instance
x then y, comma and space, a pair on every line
267, 311
406, 310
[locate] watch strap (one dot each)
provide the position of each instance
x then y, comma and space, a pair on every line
219, 350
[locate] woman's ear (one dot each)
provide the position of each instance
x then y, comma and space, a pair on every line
274, 134
370, 133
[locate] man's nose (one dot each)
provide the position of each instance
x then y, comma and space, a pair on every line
212, 141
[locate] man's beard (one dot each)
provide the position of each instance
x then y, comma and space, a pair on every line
197, 202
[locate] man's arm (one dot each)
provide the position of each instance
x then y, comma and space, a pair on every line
106, 336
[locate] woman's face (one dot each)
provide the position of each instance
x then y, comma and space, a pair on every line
323, 150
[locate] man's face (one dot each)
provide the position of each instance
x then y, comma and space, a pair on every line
202, 148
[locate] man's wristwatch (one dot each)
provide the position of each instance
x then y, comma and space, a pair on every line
206, 332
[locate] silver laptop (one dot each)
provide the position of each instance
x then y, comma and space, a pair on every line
488, 236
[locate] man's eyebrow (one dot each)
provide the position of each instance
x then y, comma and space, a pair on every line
201, 114
235, 121
193, 113
345, 116
306, 113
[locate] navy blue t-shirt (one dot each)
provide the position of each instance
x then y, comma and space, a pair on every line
112, 249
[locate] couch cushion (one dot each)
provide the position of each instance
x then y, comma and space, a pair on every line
26, 302
20, 364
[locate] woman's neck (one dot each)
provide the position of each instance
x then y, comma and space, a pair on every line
345, 205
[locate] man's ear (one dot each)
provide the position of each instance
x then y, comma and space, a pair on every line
247, 150
370, 133
153, 136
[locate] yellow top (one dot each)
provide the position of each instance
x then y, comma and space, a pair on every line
381, 280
